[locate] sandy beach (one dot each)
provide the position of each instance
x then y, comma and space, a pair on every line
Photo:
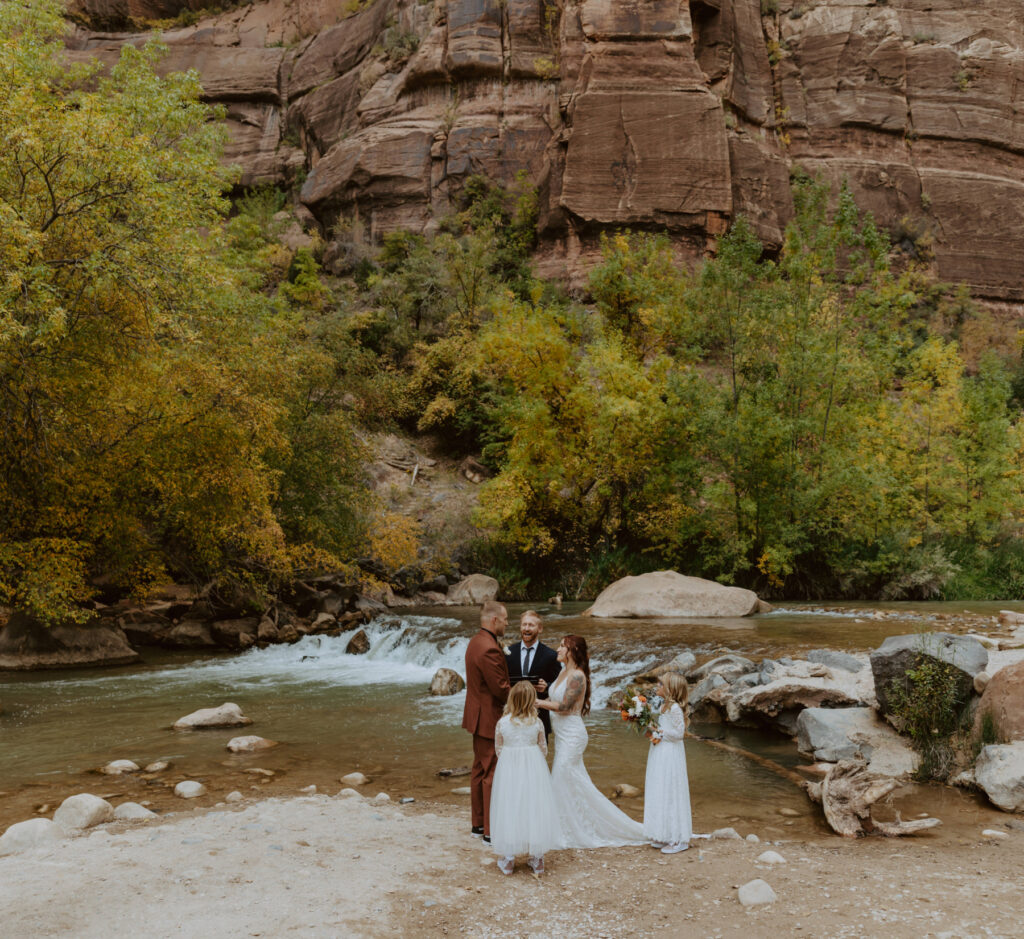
350, 866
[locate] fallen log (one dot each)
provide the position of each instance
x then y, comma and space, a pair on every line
846, 796
776, 768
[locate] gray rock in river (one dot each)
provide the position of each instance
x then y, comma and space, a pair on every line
834, 734
446, 681
729, 666
227, 715
891, 661
834, 659
704, 688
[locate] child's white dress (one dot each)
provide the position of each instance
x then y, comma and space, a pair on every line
523, 816
667, 787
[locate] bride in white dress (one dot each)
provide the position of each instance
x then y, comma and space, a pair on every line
588, 819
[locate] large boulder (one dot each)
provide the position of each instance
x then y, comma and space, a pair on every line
227, 715
1000, 773
668, 593
473, 590
780, 702
82, 811
236, 633
25, 643
26, 836
834, 734
1003, 701
891, 661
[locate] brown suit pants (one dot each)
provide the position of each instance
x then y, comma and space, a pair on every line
480, 781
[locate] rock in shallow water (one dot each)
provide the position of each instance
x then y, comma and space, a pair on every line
250, 744
189, 789
227, 715
117, 767
446, 681
354, 779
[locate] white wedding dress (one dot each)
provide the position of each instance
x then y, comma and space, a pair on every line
523, 817
667, 789
587, 818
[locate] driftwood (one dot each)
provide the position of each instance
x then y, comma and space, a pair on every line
847, 794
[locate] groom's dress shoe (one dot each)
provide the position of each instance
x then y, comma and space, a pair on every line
477, 830
487, 839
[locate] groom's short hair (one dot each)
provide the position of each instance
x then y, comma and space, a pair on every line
491, 609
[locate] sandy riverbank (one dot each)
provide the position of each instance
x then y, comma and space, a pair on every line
327, 866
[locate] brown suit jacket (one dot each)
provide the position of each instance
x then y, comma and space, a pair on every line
487, 684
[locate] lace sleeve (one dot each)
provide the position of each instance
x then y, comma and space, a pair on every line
673, 724
499, 740
542, 740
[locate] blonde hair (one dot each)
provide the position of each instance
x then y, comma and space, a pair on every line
676, 690
522, 702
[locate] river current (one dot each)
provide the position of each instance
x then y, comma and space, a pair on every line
334, 713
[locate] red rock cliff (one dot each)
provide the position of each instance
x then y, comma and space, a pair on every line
675, 114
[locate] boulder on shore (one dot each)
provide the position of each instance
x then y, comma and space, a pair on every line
834, 734
668, 593
891, 661
1000, 773
227, 715
1003, 700
473, 590
25, 643
83, 811
25, 836
446, 681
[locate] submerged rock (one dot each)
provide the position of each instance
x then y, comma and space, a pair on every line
669, 593
250, 744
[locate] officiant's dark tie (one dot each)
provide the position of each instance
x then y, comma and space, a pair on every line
526, 664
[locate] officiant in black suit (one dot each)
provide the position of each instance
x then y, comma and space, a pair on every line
531, 659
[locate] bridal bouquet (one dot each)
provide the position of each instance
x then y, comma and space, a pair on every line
636, 710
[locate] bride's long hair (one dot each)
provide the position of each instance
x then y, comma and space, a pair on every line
576, 648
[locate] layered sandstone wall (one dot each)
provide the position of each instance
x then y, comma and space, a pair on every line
676, 114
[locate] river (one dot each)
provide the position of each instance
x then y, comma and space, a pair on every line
334, 713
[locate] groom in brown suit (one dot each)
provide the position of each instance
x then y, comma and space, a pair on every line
487, 688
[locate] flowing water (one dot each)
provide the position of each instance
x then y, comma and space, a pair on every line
334, 713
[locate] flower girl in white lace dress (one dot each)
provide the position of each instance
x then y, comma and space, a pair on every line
523, 816
667, 820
